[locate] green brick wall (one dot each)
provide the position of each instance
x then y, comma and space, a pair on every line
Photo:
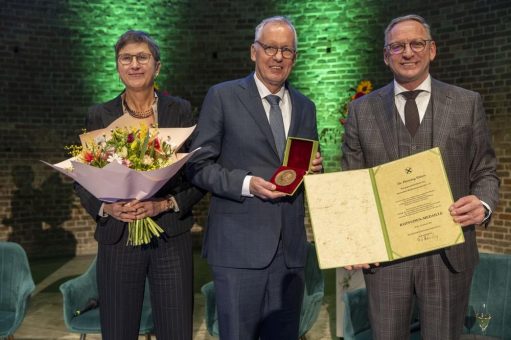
98, 24
340, 44
57, 59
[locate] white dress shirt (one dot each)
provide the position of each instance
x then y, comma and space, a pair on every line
422, 99
285, 107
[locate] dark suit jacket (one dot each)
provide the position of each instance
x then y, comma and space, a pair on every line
172, 112
236, 138
459, 130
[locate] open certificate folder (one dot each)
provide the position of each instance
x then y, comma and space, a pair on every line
391, 211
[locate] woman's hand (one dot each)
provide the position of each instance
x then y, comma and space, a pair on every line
122, 211
150, 208
136, 210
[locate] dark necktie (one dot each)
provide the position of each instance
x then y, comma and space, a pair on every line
277, 124
412, 120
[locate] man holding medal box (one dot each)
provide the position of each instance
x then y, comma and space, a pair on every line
255, 238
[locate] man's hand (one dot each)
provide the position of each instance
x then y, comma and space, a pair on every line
467, 210
264, 189
361, 266
317, 163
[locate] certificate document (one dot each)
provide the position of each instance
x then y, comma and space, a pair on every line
394, 210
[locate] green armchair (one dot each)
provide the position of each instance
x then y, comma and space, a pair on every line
311, 305
356, 319
16, 286
77, 293
492, 284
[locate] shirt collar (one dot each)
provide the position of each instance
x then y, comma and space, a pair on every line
424, 86
263, 90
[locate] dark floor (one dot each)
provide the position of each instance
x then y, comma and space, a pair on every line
44, 318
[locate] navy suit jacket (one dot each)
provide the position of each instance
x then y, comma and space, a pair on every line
236, 141
172, 112
459, 130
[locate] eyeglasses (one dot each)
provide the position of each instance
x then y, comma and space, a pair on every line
287, 53
126, 59
417, 45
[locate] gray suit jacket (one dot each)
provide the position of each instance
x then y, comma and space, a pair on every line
459, 130
236, 141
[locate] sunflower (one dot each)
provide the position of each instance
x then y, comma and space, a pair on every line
365, 86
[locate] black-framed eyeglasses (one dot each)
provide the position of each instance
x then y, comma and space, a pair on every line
287, 52
126, 58
417, 45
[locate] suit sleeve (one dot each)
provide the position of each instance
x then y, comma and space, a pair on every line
186, 194
203, 169
352, 154
483, 177
89, 202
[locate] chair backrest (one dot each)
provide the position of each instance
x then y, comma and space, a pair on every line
79, 290
314, 281
492, 284
14, 275
314, 291
16, 286
356, 319
208, 290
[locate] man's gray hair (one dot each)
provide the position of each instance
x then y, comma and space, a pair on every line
414, 17
279, 19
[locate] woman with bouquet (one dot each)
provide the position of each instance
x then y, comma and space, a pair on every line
166, 261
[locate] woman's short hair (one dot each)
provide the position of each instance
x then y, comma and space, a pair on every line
133, 36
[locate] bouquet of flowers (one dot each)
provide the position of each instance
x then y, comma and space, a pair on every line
137, 148
123, 162
363, 88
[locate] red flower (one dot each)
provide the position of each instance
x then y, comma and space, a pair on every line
88, 156
358, 95
130, 138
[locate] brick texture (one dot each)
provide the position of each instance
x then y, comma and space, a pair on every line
58, 60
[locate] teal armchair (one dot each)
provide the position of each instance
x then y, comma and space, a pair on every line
492, 284
16, 286
311, 305
77, 293
356, 318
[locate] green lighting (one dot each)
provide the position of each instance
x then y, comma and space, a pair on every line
333, 42
101, 24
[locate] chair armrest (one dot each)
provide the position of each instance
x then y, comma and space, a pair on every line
73, 294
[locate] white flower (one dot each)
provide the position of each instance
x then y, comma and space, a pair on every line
148, 160
100, 140
114, 157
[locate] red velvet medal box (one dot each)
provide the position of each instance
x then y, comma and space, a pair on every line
297, 161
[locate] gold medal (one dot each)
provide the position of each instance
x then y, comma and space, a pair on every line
286, 177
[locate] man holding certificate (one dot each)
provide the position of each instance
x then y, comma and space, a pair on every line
415, 113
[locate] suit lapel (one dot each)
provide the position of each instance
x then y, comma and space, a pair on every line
249, 96
113, 110
296, 112
386, 120
442, 100
165, 116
